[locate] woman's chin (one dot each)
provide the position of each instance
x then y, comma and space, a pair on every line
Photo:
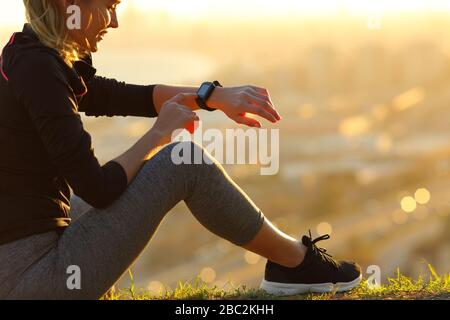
93, 47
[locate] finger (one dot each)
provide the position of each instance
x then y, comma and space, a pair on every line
272, 105
265, 95
260, 95
183, 108
257, 110
264, 103
250, 122
262, 91
187, 113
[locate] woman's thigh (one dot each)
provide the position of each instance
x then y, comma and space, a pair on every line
17, 257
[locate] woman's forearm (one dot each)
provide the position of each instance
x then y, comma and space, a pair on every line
162, 93
133, 159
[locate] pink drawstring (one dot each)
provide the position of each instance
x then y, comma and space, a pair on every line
11, 41
1, 69
12, 38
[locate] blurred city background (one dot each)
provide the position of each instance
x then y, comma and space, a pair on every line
364, 89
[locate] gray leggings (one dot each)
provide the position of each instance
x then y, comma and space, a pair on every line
104, 243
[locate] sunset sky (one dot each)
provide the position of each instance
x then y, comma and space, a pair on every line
11, 12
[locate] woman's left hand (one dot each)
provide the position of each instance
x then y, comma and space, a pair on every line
237, 102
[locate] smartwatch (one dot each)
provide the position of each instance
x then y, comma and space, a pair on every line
204, 92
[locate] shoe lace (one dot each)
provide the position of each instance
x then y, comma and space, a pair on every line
319, 252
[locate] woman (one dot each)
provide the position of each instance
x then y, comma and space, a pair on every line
46, 79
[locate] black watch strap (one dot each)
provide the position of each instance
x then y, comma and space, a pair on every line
202, 97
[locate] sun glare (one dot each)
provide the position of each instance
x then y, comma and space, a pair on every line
288, 7
12, 11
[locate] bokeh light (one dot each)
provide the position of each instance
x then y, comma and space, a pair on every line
422, 196
408, 204
354, 126
409, 99
208, 274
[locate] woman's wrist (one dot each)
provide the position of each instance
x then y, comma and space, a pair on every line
215, 99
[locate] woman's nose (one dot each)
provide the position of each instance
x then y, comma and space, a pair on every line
114, 21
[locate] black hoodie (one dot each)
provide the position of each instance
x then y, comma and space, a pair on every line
45, 150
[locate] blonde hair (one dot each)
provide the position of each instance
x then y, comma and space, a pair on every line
49, 23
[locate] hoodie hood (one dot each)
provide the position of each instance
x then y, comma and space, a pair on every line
25, 43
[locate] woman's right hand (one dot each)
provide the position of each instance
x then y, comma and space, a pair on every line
174, 115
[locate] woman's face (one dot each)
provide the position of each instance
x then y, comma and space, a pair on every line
97, 16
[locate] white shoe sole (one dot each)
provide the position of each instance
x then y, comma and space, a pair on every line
288, 289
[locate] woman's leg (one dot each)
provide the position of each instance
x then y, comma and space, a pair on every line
104, 243
276, 246
269, 242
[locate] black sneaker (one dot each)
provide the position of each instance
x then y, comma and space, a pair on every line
318, 272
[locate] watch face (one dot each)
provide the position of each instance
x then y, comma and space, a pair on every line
203, 91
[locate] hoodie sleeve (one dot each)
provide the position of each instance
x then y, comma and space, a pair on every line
39, 82
109, 97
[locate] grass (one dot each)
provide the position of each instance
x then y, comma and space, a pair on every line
435, 287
